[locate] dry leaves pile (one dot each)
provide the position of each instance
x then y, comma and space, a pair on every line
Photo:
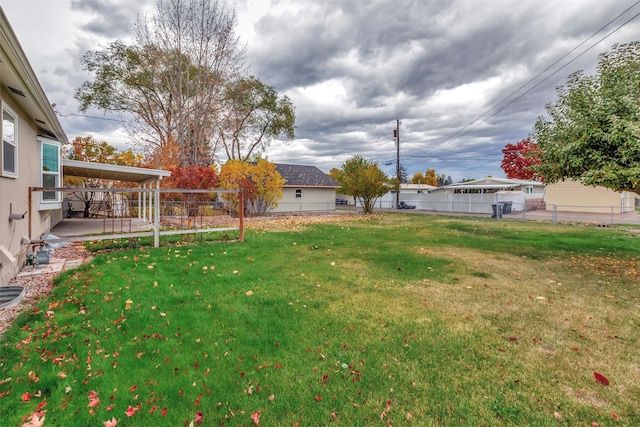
38, 285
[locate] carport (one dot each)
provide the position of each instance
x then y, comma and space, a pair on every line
148, 185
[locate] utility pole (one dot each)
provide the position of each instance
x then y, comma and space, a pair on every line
396, 134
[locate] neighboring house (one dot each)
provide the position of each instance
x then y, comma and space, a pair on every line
409, 193
306, 189
574, 196
32, 138
479, 196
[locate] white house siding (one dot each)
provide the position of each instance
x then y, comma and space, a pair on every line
311, 200
572, 196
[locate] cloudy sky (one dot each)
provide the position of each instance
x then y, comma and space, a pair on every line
464, 77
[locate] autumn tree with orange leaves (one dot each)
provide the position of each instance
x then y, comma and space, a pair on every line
259, 182
519, 159
192, 177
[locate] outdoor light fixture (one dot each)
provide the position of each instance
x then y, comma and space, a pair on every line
15, 216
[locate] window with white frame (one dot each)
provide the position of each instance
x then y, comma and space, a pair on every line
50, 156
9, 143
528, 189
299, 193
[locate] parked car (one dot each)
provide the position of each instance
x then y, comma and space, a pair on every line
404, 205
341, 201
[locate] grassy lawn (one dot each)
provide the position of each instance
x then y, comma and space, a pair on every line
388, 319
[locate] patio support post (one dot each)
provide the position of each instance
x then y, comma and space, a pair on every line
241, 216
139, 202
146, 215
156, 219
147, 204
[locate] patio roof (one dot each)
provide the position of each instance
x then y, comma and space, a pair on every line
112, 172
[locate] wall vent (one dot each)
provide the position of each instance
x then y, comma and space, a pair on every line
17, 91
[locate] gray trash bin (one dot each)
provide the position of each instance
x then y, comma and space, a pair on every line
497, 210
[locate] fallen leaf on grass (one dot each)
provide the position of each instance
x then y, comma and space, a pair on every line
255, 416
37, 420
41, 405
131, 410
601, 378
93, 402
110, 423
26, 397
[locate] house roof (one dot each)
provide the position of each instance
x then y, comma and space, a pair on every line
305, 176
411, 186
112, 172
21, 83
491, 183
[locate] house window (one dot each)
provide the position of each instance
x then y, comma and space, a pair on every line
528, 189
50, 151
298, 193
9, 144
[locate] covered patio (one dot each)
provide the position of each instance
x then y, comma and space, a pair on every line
147, 213
145, 223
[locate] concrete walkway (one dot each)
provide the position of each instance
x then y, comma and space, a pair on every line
630, 218
75, 227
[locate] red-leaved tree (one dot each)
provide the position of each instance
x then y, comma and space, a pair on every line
192, 177
518, 159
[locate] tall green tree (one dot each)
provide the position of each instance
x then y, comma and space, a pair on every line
593, 131
362, 179
253, 115
171, 79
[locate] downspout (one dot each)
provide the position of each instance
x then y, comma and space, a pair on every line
30, 204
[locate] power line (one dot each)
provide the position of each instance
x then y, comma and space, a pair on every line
462, 131
89, 117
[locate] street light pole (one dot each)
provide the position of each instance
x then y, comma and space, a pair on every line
396, 133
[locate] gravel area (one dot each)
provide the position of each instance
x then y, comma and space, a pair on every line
39, 282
